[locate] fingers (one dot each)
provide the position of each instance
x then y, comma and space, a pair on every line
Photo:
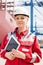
13, 51
10, 56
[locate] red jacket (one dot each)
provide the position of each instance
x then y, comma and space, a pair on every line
28, 45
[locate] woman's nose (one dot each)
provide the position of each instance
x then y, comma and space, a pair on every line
20, 20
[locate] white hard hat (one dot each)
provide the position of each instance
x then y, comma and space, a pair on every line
21, 10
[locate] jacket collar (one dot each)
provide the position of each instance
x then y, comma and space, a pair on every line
22, 33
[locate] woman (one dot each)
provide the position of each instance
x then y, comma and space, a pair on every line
29, 51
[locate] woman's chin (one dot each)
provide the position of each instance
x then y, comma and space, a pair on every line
20, 27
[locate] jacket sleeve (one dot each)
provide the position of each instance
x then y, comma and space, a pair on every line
36, 54
3, 51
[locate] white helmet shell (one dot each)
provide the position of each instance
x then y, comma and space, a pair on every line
21, 10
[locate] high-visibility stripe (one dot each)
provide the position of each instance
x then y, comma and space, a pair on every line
34, 56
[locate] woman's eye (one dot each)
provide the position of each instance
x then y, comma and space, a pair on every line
17, 18
22, 18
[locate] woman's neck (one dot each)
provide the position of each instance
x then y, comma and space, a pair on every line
21, 29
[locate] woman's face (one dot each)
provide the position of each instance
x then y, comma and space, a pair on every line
21, 21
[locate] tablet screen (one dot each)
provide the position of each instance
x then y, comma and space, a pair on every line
13, 43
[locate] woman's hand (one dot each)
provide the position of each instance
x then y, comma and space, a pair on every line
10, 55
18, 54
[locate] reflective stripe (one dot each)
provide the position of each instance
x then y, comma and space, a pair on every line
9, 34
30, 38
2, 61
34, 56
25, 50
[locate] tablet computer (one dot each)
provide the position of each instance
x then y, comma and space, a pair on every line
12, 43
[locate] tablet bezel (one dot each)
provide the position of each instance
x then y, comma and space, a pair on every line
12, 36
